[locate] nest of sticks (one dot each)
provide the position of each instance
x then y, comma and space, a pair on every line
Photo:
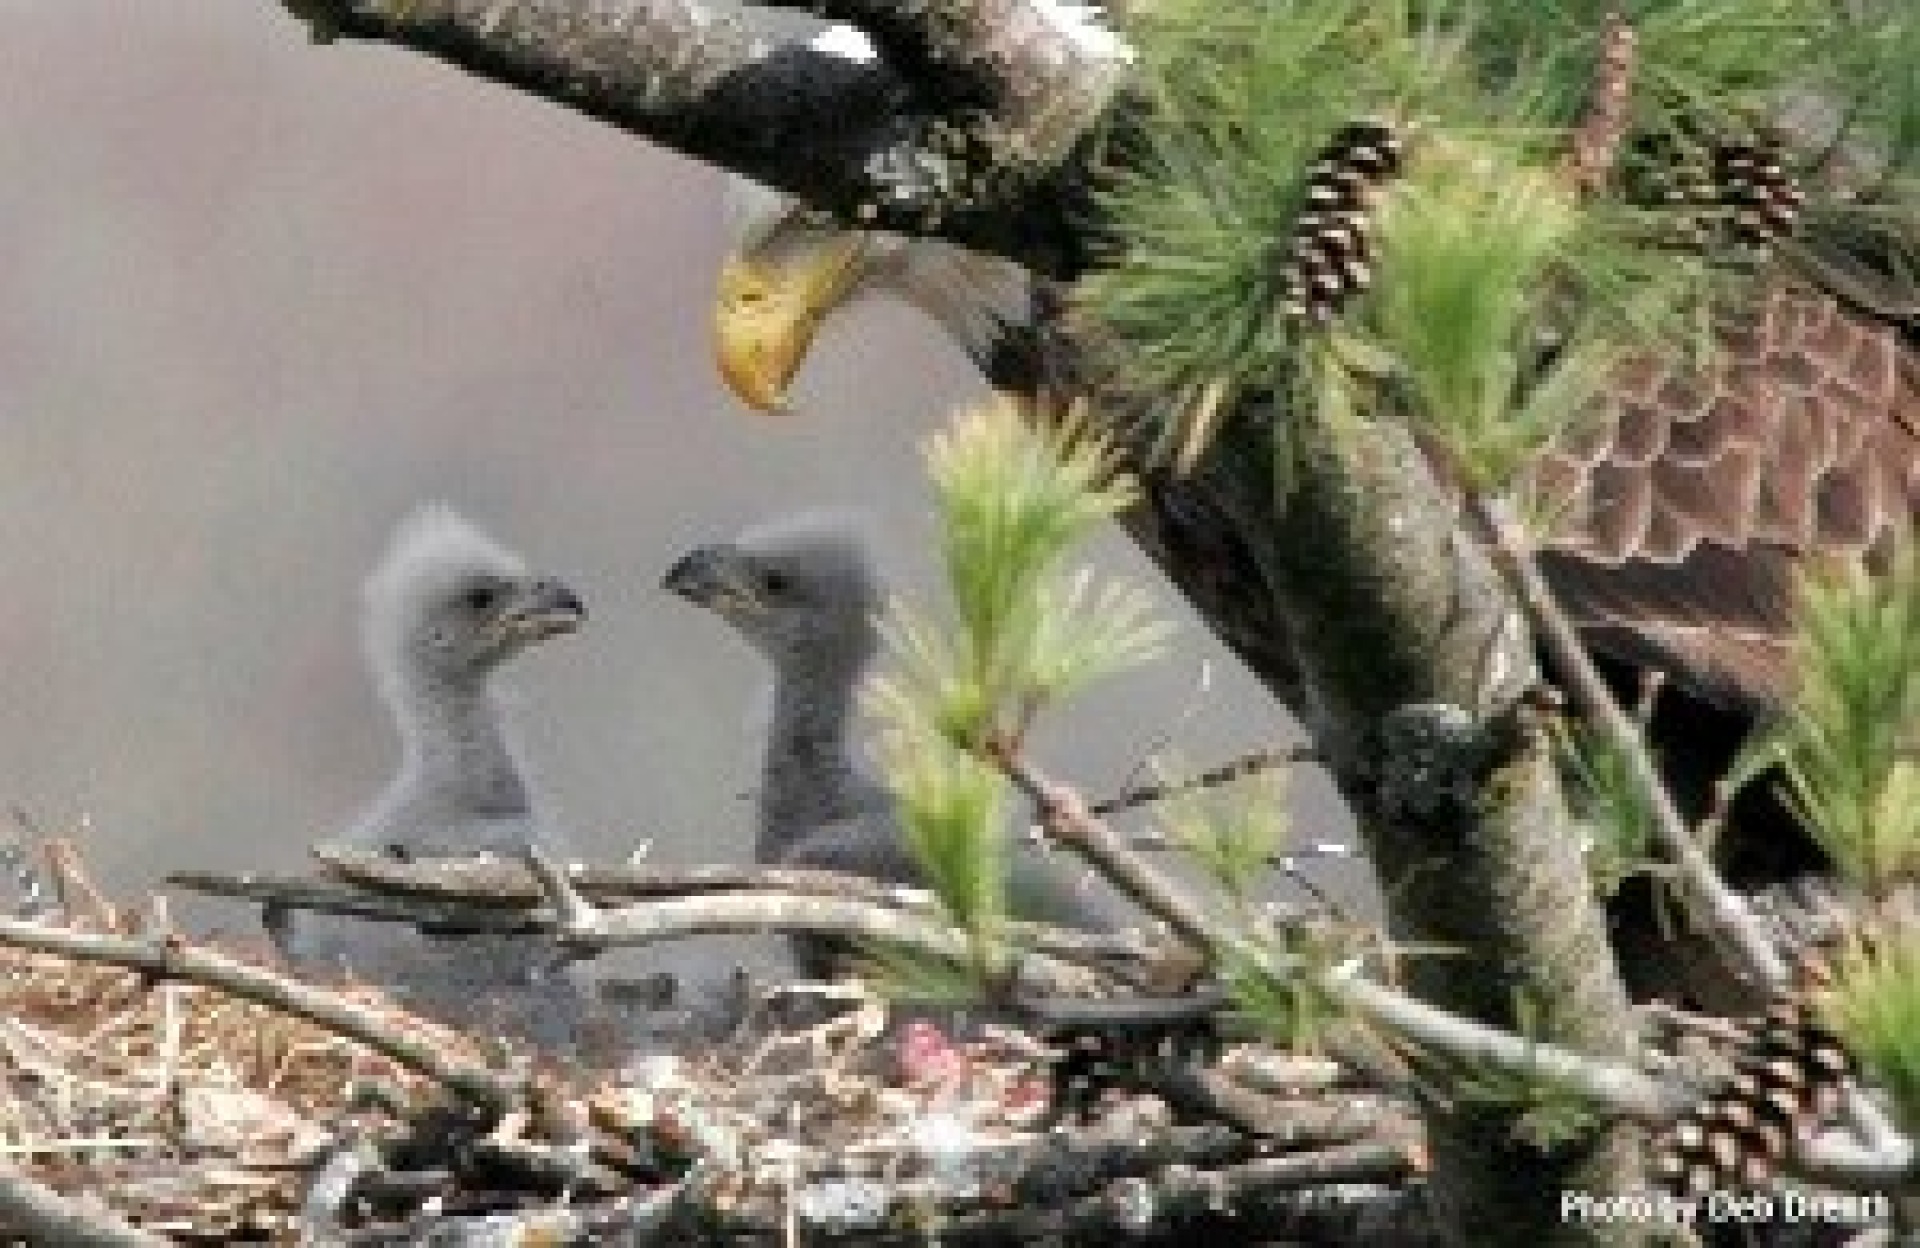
158, 1089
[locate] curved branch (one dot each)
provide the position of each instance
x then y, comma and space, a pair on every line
454, 897
172, 958
43, 1216
847, 136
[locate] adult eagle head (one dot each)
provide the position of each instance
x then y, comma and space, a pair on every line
791, 268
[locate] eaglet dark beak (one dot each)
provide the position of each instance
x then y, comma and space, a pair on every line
715, 577
543, 608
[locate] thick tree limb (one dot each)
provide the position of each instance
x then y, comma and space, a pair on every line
1354, 595
1045, 71
849, 138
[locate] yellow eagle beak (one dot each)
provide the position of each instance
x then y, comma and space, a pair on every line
771, 301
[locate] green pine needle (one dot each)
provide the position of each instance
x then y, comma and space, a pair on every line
1232, 833
1013, 503
1847, 747
1613, 806
955, 812
1501, 303
1874, 1006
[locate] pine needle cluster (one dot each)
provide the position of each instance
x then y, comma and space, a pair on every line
1025, 629
1846, 752
1874, 1005
1501, 290
1849, 747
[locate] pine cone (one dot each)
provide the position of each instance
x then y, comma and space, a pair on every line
1788, 1075
1330, 251
1762, 197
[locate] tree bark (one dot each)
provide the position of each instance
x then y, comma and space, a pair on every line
1353, 593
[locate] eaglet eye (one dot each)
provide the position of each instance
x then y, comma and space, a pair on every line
481, 597
776, 583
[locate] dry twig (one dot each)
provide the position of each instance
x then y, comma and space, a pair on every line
40, 1215
175, 959
580, 922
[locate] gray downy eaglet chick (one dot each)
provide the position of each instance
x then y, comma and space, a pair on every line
447, 608
804, 593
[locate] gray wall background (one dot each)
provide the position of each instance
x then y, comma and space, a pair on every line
258, 298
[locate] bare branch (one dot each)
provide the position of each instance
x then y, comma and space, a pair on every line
643, 1221
39, 1215
1719, 909
506, 882
1231, 772
497, 897
1180, 1196
445, 917
1065, 817
1292, 1122
746, 913
174, 959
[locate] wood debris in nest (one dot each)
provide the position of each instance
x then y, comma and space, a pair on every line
201, 1094
194, 1110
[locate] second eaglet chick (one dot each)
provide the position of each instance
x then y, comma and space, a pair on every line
445, 610
804, 593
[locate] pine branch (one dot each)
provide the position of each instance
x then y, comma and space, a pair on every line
1597, 137
1719, 909
1618, 1088
1066, 818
